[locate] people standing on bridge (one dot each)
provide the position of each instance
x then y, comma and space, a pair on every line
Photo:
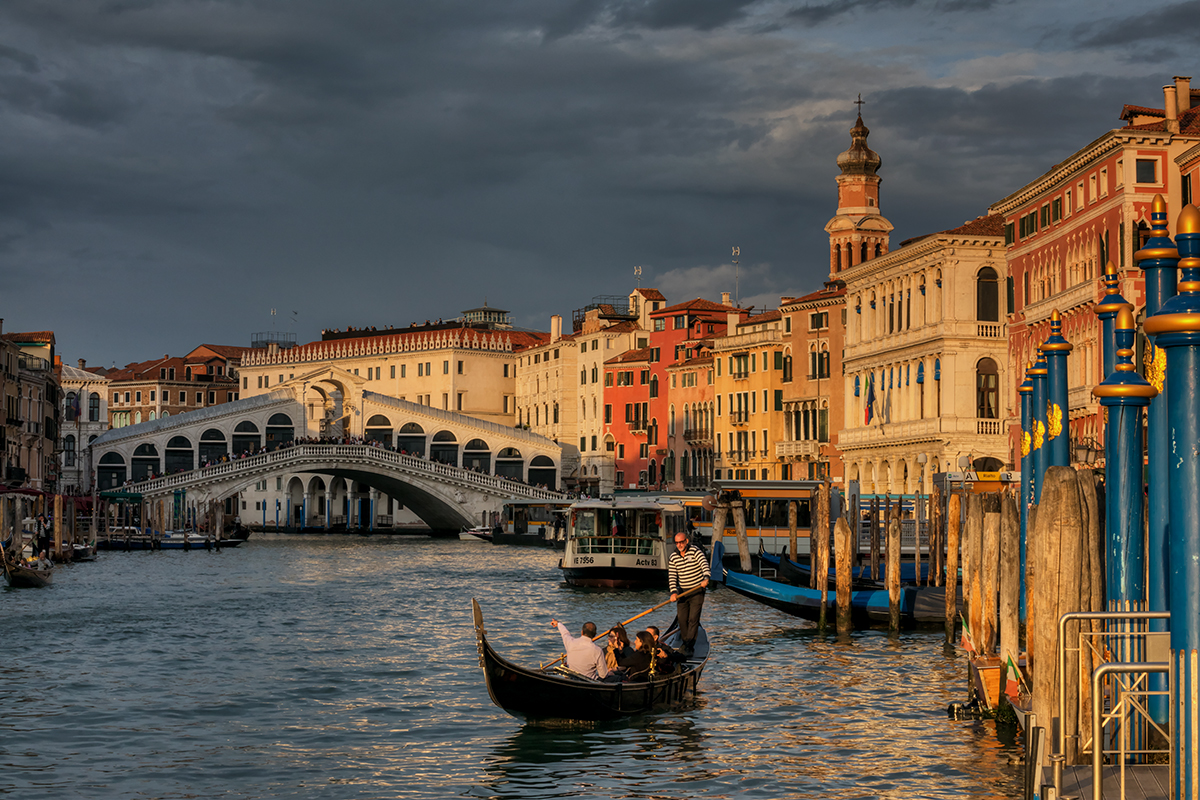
687, 577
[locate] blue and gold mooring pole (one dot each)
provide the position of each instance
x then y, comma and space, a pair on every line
1037, 448
1025, 391
1124, 394
1176, 328
1158, 260
1058, 434
1107, 310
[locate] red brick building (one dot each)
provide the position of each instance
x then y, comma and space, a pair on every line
1062, 228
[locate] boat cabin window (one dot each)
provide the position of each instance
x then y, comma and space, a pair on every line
633, 531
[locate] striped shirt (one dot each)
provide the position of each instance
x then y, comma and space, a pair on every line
687, 570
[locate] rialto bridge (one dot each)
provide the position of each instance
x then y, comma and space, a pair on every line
321, 434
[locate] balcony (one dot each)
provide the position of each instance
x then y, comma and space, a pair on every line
697, 435
740, 376
739, 417
637, 426
696, 482
811, 449
990, 330
989, 427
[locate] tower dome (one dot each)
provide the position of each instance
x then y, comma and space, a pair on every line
859, 159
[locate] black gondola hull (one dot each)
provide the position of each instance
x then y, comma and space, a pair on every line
535, 695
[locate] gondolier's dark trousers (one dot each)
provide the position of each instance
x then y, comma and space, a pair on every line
687, 609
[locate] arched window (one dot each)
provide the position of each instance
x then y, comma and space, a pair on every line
987, 389
987, 296
72, 409
68, 451
94, 408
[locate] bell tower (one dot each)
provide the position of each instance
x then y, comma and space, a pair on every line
859, 232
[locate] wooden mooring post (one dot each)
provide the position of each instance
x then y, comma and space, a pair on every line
893, 570
845, 543
953, 521
1010, 577
819, 559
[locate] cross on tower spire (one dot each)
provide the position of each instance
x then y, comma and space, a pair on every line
859, 102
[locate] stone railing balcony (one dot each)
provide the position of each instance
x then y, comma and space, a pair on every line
797, 449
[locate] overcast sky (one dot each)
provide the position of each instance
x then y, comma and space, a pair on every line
172, 171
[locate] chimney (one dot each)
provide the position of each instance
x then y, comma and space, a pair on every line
1183, 93
1, 324
724, 299
1170, 105
731, 322
82, 363
555, 327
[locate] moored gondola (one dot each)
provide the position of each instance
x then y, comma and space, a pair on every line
559, 694
22, 576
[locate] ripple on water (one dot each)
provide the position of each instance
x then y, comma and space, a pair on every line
345, 667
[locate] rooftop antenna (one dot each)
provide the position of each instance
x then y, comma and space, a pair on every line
637, 273
737, 277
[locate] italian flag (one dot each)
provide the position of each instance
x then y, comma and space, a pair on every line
1012, 683
967, 644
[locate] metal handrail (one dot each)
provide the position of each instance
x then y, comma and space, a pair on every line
1060, 739
1097, 716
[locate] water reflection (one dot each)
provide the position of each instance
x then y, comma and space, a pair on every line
345, 668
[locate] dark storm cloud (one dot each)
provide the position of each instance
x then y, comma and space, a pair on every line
1147, 28
700, 15
376, 163
816, 13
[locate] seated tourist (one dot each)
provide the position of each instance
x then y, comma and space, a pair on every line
665, 656
583, 655
637, 664
618, 647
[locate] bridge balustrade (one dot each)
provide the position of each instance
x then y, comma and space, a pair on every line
324, 451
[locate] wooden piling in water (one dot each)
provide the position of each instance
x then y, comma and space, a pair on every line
792, 537
720, 514
739, 525
58, 528
1010, 577
971, 542
875, 538
893, 573
844, 545
989, 580
819, 560
953, 522
937, 537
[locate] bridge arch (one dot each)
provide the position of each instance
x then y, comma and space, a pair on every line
477, 456
246, 437
145, 462
542, 472
444, 447
213, 445
179, 455
379, 429
280, 431
510, 464
110, 472
411, 439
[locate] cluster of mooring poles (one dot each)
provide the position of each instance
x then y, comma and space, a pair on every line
19, 511
1107, 565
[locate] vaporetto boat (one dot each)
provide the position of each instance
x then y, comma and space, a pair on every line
622, 543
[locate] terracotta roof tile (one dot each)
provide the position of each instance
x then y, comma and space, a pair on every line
629, 356
697, 304
988, 225
42, 337
651, 294
766, 316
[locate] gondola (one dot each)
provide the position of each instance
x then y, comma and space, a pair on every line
796, 574
559, 694
19, 576
918, 605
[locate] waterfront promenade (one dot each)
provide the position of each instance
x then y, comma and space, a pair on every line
345, 667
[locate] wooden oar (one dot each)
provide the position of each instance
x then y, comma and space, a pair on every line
598, 637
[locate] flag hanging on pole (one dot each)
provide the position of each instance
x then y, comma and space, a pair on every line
1012, 683
870, 412
967, 644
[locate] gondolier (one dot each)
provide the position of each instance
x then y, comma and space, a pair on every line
687, 568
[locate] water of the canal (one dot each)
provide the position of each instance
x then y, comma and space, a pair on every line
345, 667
